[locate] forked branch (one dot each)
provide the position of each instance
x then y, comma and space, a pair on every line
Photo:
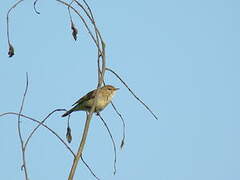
102, 61
125, 84
24, 165
55, 134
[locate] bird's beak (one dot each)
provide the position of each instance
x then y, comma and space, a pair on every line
116, 89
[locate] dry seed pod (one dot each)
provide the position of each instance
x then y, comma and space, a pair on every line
68, 135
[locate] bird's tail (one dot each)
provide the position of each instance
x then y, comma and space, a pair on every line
68, 112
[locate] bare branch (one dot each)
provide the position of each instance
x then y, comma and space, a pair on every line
101, 59
90, 11
89, 168
34, 130
100, 81
83, 20
11, 49
80, 148
91, 17
69, 12
113, 142
85, 132
24, 165
34, 7
123, 122
39, 122
97, 34
54, 133
108, 69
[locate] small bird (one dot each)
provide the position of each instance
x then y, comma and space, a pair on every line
86, 102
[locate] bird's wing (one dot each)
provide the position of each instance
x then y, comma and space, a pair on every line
88, 96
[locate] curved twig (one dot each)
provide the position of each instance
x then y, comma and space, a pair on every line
113, 142
83, 20
91, 17
14, 5
89, 169
123, 123
24, 165
34, 7
39, 122
56, 135
97, 33
11, 49
34, 130
69, 13
74, 29
100, 81
125, 84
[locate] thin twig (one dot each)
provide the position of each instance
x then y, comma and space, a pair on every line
69, 13
24, 165
132, 92
34, 130
113, 142
83, 20
80, 149
39, 122
89, 116
123, 123
73, 28
97, 33
14, 5
11, 48
56, 135
90, 17
93, 21
34, 7
101, 54
89, 169
90, 11
100, 81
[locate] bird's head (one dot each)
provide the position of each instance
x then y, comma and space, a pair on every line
109, 89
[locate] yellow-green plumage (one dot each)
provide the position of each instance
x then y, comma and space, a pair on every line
86, 102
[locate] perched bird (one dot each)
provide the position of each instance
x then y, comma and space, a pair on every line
86, 102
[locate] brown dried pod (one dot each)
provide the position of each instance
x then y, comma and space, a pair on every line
68, 135
74, 31
10, 51
122, 144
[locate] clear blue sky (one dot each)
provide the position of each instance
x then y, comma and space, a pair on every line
180, 57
